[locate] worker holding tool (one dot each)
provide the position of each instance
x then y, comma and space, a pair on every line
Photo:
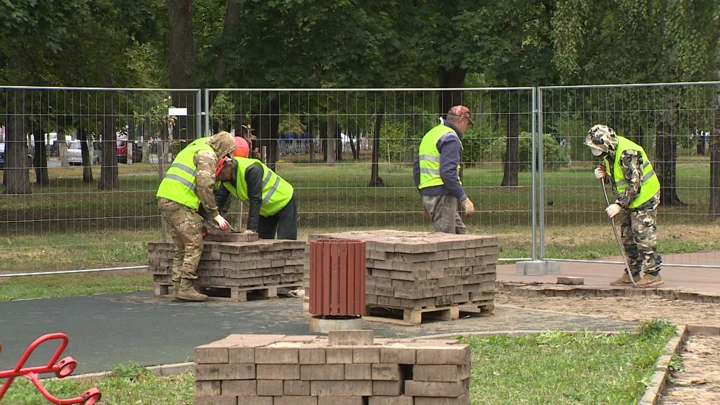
188, 184
627, 167
272, 205
436, 172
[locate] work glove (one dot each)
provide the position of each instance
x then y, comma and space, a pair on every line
249, 231
600, 173
221, 222
612, 210
468, 207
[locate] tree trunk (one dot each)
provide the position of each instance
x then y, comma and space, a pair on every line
453, 78
375, 179
311, 140
331, 140
511, 165
266, 125
109, 178
85, 153
714, 145
353, 149
40, 159
16, 175
182, 57
666, 159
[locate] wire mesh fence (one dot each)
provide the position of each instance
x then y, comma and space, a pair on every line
81, 166
675, 125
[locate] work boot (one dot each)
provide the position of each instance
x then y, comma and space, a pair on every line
625, 280
176, 287
188, 293
650, 280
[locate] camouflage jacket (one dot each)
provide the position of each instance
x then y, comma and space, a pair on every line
632, 171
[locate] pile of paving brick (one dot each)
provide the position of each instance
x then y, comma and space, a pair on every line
424, 270
233, 264
347, 367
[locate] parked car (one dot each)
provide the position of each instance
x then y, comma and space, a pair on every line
74, 152
122, 151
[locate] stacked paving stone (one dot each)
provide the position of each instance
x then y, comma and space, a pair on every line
345, 368
238, 262
412, 270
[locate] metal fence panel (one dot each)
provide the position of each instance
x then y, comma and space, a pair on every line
673, 122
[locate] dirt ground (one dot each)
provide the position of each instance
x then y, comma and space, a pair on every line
698, 379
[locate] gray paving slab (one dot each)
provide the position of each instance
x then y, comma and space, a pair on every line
108, 329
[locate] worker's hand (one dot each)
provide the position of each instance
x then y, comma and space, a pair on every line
221, 222
425, 212
612, 210
600, 172
468, 207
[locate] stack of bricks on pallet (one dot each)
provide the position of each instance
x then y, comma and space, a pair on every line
424, 269
344, 368
236, 261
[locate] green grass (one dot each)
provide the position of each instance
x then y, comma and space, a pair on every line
547, 368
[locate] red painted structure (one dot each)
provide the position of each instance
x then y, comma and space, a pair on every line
337, 277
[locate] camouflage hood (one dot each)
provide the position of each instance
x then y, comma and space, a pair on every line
222, 143
601, 139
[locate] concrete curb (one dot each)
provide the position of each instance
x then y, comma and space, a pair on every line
159, 371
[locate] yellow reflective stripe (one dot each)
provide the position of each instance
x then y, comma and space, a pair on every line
429, 171
648, 176
645, 178
430, 158
271, 191
187, 169
184, 182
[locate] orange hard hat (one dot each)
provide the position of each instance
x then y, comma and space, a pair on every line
242, 149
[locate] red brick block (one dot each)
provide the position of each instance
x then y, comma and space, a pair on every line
394, 400
450, 354
397, 353
275, 354
208, 388
270, 387
435, 389
312, 353
218, 401
310, 372
339, 355
213, 353
461, 400
254, 400
340, 401
387, 388
350, 337
296, 388
363, 355
238, 387
385, 372
358, 371
340, 388
441, 373
206, 372
295, 400
278, 372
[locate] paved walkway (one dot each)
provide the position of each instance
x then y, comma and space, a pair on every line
118, 328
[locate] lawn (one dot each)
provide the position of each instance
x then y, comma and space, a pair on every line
547, 368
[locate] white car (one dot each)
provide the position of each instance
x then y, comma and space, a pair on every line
74, 152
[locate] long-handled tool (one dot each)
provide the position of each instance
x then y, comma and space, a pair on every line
617, 238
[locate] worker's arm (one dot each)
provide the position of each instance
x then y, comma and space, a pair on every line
205, 162
450, 155
222, 196
253, 179
631, 165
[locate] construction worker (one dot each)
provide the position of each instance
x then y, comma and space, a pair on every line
187, 185
272, 206
627, 167
437, 172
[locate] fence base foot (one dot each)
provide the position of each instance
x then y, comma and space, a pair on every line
319, 324
536, 268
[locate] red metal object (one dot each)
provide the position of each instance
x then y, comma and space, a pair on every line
61, 369
337, 277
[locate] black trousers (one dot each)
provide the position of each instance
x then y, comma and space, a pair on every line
284, 223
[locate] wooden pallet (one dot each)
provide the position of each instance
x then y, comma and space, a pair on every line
411, 316
482, 308
235, 294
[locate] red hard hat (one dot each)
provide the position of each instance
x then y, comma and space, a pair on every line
242, 149
220, 165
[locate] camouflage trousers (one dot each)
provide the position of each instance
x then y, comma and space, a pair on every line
443, 210
185, 226
639, 237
